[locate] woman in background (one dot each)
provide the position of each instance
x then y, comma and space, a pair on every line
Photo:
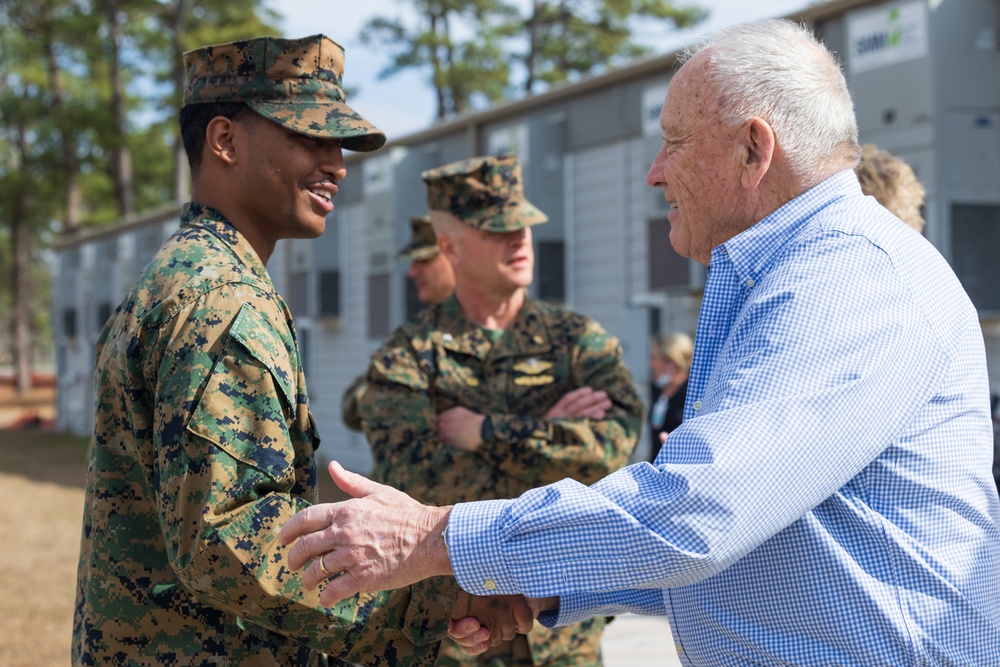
670, 361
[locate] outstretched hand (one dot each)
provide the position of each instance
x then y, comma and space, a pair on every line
481, 622
378, 540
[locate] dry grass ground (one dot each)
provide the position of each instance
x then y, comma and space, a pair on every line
42, 478
41, 475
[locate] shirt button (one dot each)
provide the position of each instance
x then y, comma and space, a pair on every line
697, 405
538, 340
679, 648
471, 381
490, 585
750, 282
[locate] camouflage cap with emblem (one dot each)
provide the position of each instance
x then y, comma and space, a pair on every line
482, 192
423, 243
296, 83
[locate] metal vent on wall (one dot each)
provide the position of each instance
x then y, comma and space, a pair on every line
975, 243
552, 271
667, 269
329, 293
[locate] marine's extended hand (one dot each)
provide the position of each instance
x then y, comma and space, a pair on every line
379, 540
481, 622
473, 639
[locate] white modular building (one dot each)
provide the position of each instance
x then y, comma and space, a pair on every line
925, 76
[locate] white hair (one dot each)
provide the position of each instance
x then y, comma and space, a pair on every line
446, 224
778, 71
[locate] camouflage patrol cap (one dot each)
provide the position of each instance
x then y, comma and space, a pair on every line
482, 192
423, 243
293, 82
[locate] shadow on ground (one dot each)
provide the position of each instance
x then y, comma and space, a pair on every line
44, 456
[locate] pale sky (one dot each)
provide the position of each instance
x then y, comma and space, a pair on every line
404, 103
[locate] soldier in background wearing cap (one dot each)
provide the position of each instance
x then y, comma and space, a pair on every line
434, 281
492, 393
203, 440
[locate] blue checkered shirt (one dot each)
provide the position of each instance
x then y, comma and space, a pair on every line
828, 499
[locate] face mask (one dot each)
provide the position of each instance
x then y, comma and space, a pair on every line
663, 380
658, 413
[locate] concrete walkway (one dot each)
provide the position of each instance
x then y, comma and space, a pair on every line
639, 641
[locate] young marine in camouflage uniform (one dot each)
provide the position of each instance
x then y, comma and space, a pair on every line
476, 399
434, 281
203, 440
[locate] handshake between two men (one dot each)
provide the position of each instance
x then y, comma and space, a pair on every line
382, 539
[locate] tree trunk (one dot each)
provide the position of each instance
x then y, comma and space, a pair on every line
121, 156
439, 84
182, 171
73, 195
457, 100
21, 257
529, 59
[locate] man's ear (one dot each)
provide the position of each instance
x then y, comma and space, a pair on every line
758, 145
446, 243
220, 139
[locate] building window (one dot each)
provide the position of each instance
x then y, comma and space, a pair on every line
69, 323
103, 314
298, 293
667, 269
552, 271
413, 305
975, 244
329, 293
378, 306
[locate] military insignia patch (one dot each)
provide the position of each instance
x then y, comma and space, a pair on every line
532, 367
534, 380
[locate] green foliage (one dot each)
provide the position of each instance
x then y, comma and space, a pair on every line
467, 47
58, 129
572, 38
460, 70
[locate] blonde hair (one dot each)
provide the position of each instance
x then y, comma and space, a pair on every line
892, 182
677, 347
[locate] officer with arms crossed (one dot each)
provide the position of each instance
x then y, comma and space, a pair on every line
491, 392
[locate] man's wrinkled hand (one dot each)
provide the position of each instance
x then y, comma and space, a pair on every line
582, 402
460, 428
481, 622
378, 540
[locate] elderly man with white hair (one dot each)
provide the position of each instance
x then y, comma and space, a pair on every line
828, 498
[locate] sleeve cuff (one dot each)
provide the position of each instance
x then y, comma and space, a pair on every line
506, 430
475, 547
577, 607
572, 609
429, 611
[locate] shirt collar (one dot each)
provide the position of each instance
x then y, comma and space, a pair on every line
752, 250
206, 217
527, 335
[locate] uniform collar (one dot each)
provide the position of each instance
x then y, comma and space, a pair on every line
527, 335
198, 215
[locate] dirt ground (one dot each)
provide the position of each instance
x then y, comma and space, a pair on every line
41, 475
42, 478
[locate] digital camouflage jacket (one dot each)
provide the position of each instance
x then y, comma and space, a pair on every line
443, 360
203, 447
